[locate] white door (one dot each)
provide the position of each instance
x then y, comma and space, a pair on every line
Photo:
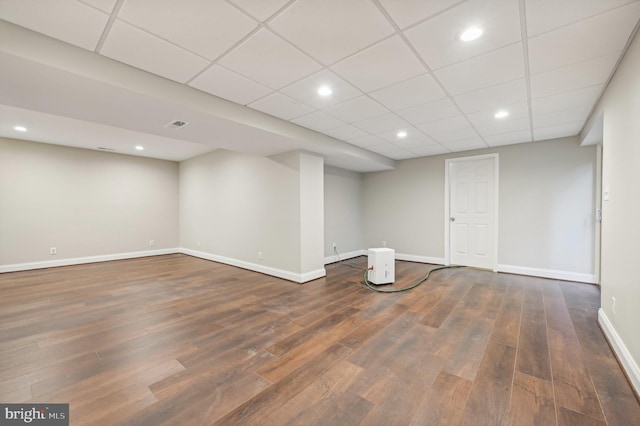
472, 211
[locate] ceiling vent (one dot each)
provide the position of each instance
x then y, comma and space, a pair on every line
176, 125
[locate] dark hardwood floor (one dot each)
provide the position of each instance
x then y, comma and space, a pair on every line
183, 341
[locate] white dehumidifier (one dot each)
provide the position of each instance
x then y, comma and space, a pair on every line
382, 266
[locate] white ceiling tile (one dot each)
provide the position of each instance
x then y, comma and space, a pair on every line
69, 21
561, 117
413, 134
227, 84
281, 106
494, 97
516, 111
380, 85
446, 125
429, 150
269, 60
591, 38
125, 44
520, 136
504, 126
260, 9
455, 135
437, 39
573, 77
208, 28
103, 5
414, 143
415, 91
558, 131
306, 90
346, 132
492, 68
386, 63
329, 30
356, 109
545, 15
318, 120
408, 12
465, 145
367, 141
586, 97
382, 123
433, 111
390, 150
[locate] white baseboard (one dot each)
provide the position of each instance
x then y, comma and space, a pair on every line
420, 259
287, 275
628, 363
549, 273
280, 273
82, 260
344, 256
399, 256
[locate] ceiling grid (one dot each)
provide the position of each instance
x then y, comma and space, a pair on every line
404, 84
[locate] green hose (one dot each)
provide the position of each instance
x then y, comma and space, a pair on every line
398, 290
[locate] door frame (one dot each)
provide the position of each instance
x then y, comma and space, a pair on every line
597, 241
447, 207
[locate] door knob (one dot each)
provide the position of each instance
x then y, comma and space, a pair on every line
452, 219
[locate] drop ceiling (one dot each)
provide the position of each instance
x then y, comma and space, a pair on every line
392, 65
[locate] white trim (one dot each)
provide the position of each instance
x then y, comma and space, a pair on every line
629, 365
399, 256
447, 215
280, 273
82, 260
597, 246
344, 256
420, 259
548, 273
496, 205
312, 275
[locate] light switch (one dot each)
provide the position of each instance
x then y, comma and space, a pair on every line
605, 193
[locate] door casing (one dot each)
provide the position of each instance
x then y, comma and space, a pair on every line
447, 202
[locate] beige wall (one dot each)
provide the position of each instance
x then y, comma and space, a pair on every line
237, 205
405, 207
343, 212
83, 202
260, 213
311, 212
546, 205
620, 226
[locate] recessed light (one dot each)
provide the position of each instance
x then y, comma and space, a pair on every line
401, 134
139, 147
20, 128
325, 91
501, 114
471, 34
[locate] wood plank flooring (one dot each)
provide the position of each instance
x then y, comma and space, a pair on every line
178, 340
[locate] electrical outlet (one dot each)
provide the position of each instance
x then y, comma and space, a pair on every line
384, 243
613, 305
53, 251
334, 246
152, 243
198, 243
260, 255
